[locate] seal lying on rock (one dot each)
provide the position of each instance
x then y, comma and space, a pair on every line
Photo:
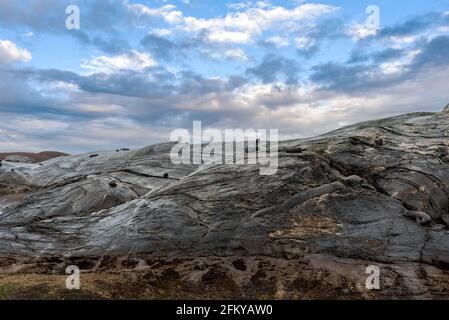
356, 181
421, 217
379, 142
113, 184
353, 180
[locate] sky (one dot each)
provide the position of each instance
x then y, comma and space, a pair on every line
135, 70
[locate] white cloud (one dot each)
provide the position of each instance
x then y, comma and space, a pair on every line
161, 32
237, 27
304, 43
263, 4
239, 5
399, 42
236, 54
399, 65
9, 53
229, 37
35, 125
249, 4
358, 31
277, 41
100, 108
60, 86
168, 12
132, 61
245, 25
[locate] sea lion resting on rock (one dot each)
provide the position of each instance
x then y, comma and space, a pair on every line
356, 181
421, 217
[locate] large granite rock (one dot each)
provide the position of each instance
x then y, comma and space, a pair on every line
374, 193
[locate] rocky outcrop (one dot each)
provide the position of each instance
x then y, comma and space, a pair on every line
375, 193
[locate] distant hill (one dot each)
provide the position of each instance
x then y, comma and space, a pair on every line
27, 157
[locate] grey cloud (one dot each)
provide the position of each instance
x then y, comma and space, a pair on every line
167, 50
336, 76
325, 29
362, 77
37, 15
359, 55
18, 96
149, 94
49, 15
99, 20
309, 51
160, 47
435, 53
413, 26
328, 29
387, 55
110, 45
274, 68
235, 82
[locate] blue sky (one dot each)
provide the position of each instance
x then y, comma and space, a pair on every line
135, 70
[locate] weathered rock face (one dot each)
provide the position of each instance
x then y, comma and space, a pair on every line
373, 193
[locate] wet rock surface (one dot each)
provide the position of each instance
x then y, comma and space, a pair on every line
376, 193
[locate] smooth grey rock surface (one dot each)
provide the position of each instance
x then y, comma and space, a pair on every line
343, 195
